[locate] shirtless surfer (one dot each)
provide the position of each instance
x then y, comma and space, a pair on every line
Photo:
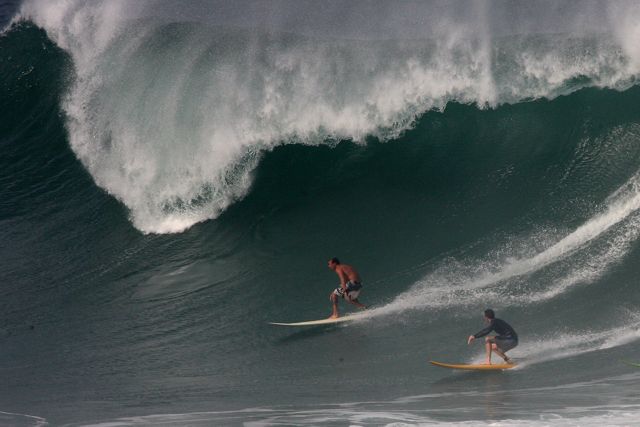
350, 285
500, 344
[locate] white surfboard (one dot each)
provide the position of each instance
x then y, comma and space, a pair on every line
346, 318
497, 367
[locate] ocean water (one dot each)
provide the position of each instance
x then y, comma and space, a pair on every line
174, 177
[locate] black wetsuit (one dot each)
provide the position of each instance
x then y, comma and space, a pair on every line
504, 330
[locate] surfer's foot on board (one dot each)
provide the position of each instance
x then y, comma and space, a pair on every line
333, 316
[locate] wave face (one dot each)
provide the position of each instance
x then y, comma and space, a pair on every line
172, 117
173, 177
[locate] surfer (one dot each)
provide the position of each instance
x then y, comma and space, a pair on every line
350, 285
500, 344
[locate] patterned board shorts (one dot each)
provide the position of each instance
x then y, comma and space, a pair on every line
353, 290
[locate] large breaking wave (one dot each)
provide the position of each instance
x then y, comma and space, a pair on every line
171, 116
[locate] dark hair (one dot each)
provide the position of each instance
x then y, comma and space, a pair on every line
335, 260
489, 313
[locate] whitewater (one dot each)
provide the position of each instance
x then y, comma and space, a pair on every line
172, 118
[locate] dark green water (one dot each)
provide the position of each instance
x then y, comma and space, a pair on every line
530, 207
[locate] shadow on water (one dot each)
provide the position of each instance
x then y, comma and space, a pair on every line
462, 378
310, 332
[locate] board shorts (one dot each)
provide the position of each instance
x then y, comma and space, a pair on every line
353, 290
505, 343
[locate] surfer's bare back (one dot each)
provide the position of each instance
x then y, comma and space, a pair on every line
350, 286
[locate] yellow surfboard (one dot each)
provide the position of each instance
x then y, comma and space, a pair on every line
497, 367
347, 318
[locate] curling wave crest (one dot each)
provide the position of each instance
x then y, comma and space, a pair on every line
171, 117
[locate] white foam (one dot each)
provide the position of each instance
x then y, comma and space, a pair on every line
611, 415
172, 120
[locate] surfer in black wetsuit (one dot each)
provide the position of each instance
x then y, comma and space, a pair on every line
501, 343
